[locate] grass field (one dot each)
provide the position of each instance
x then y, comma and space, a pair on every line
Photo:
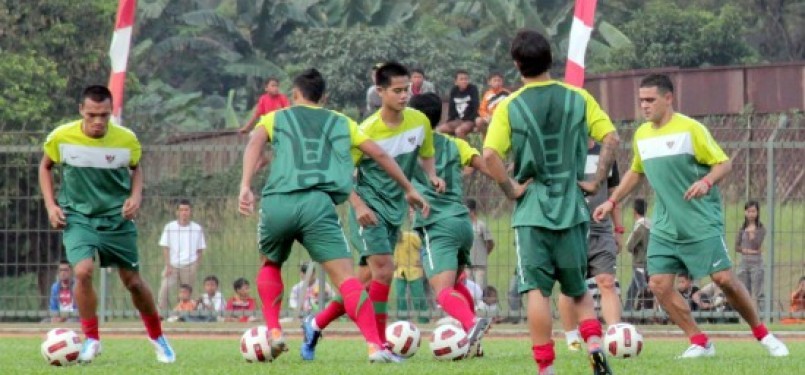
220, 355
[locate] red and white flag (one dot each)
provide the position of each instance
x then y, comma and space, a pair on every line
119, 54
583, 19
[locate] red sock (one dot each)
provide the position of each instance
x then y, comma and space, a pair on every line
333, 311
455, 304
590, 328
152, 325
461, 288
379, 294
760, 331
90, 328
360, 309
270, 287
543, 354
700, 339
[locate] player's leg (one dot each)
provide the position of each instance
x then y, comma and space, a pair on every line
569, 321
376, 245
601, 266
464, 128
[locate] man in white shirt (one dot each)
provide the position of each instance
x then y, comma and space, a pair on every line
308, 294
182, 243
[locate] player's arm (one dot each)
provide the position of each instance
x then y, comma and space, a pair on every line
55, 213
707, 152
497, 171
601, 129
132, 205
631, 180
371, 149
496, 145
251, 156
703, 186
429, 166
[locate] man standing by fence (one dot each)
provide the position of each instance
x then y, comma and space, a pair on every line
182, 243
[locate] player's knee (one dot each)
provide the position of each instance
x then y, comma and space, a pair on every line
134, 284
83, 274
660, 287
606, 282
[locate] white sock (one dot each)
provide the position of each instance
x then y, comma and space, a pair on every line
314, 325
573, 335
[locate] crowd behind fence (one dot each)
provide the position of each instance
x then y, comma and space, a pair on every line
766, 151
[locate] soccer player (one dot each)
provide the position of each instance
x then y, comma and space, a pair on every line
377, 206
682, 163
311, 172
604, 241
546, 125
447, 231
100, 194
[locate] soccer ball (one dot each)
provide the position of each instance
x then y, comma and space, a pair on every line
255, 345
403, 338
449, 343
61, 347
622, 340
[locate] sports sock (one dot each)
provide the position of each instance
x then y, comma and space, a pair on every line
572, 335
379, 294
461, 288
700, 339
270, 287
590, 331
760, 331
90, 328
359, 308
455, 304
543, 354
333, 311
152, 325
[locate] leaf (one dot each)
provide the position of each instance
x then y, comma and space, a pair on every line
210, 18
613, 36
151, 9
253, 66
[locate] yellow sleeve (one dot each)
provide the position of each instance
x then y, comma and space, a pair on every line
705, 148
267, 121
357, 138
51, 147
598, 122
136, 152
499, 133
465, 151
427, 150
637, 162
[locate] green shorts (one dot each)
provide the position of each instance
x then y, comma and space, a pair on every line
545, 256
112, 237
305, 216
447, 244
379, 239
698, 259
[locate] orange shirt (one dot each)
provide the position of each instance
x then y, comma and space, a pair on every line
188, 305
490, 100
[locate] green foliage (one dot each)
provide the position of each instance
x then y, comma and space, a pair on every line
28, 83
345, 55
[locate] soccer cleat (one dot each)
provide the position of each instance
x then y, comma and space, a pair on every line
165, 353
480, 352
775, 347
278, 345
696, 351
574, 345
546, 371
476, 333
379, 355
599, 363
89, 350
310, 337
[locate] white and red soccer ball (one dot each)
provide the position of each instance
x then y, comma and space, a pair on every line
449, 343
403, 338
255, 345
622, 340
61, 347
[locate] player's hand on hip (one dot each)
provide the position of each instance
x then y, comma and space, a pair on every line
519, 189
588, 187
130, 207
56, 217
697, 190
418, 202
602, 211
246, 202
365, 216
438, 184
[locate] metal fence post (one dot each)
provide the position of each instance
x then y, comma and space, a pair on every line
770, 203
104, 290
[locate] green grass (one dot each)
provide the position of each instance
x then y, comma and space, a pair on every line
348, 356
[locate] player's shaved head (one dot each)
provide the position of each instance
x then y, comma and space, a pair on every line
96, 93
388, 71
532, 52
430, 104
661, 81
310, 84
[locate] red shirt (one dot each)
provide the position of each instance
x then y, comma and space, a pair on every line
270, 103
236, 304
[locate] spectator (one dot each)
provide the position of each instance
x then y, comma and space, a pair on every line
409, 275
211, 300
308, 294
182, 243
797, 303
62, 295
186, 303
241, 303
475, 289
749, 243
489, 101
637, 244
685, 287
489, 304
373, 101
462, 108
515, 300
482, 246
711, 298
269, 102
419, 84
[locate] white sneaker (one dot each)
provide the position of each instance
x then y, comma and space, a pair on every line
775, 347
696, 351
165, 353
89, 350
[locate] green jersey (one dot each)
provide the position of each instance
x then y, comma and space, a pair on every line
406, 142
96, 177
452, 155
672, 158
312, 151
546, 126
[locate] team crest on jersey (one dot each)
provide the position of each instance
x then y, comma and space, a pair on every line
670, 144
412, 140
110, 158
